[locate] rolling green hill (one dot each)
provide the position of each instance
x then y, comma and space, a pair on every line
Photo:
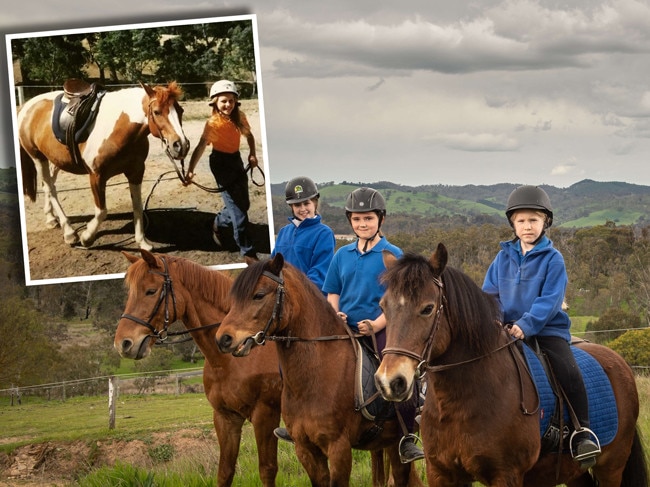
585, 204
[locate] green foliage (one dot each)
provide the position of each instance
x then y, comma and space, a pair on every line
634, 347
52, 59
161, 453
614, 319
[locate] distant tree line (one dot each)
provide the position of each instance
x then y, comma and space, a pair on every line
185, 53
609, 280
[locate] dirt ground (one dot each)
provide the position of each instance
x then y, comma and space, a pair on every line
57, 464
178, 219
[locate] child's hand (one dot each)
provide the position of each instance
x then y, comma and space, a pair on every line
365, 327
516, 332
342, 315
252, 160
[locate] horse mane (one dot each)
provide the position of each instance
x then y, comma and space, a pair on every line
164, 94
245, 282
211, 285
471, 312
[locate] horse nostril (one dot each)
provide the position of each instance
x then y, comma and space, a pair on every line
225, 342
398, 385
126, 344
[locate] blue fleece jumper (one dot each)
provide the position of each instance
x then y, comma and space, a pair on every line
530, 288
309, 246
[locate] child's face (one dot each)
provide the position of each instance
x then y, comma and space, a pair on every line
365, 225
528, 225
226, 103
304, 209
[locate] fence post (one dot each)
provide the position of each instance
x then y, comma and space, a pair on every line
112, 400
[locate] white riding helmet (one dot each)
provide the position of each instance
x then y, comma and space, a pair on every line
223, 86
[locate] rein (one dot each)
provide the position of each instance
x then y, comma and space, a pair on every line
260, 337
166, 291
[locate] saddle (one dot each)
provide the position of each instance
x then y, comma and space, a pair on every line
554, 412
75, 111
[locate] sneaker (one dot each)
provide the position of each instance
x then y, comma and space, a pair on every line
408, 450
586, 450
283, 434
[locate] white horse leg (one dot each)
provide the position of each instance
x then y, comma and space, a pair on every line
90, 233
138, 217
54, 214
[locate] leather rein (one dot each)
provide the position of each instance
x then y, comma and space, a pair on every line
166, 295
276, 316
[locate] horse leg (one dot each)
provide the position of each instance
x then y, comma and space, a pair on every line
265, 420
138, 219
402, 474
314, 461
340, 459
98, 187
228, 427
378, 468
54, 214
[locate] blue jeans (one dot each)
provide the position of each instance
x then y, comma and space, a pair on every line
232, 215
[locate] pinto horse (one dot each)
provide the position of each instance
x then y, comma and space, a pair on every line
274, 301
117, 144
481, 417
164, 288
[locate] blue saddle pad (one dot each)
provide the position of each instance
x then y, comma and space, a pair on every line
603, 413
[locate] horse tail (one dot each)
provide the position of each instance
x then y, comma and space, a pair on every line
636, 469
29, 174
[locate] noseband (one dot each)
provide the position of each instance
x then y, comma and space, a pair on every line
166, 292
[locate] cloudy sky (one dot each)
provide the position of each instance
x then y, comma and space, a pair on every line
426, 91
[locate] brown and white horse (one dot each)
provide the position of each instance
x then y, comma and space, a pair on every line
117, 144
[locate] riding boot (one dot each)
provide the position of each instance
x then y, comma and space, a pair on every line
283, 434
584, 449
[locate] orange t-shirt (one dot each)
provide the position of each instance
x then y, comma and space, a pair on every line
223, 134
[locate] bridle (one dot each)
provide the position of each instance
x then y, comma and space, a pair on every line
424, 358
166, 295
261, 336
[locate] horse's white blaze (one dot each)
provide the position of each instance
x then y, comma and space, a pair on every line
175, 120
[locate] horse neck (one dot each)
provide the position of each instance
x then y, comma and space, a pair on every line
205, 294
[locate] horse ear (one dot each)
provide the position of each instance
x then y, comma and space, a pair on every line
389, 258
149, 258
439, 259
147, 88
130, 257
276, 264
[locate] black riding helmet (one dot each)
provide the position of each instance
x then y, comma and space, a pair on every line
300, 189
363, 200
529, 198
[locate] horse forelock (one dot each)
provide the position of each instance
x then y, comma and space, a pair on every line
169, 94
246, 281
408, 275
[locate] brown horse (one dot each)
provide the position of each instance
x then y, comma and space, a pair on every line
479, 420
117, 144
272, 300
164, 288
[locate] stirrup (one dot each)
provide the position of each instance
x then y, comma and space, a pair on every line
412, 439
587, 455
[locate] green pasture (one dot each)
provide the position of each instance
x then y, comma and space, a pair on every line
139, 417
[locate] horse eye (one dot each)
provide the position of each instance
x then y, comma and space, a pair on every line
427, 310
150, 292
157, 113
258, 296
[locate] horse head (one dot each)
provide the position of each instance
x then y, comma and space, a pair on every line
256, 308
413, 306
165, 118
151, 305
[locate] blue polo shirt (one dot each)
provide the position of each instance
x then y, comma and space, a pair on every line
355, 278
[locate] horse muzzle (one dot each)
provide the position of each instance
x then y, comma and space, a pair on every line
128, 348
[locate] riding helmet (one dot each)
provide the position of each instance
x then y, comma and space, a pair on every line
364, 199
223, 86
300, 189
529, 198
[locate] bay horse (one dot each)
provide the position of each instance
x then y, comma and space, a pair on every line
117, 144
479, 421
162, 289
274, 301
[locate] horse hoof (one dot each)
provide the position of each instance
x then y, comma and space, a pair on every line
146, 245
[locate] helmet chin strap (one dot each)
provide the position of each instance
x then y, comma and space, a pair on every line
368, 240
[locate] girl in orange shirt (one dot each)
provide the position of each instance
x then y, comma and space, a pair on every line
223, 131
